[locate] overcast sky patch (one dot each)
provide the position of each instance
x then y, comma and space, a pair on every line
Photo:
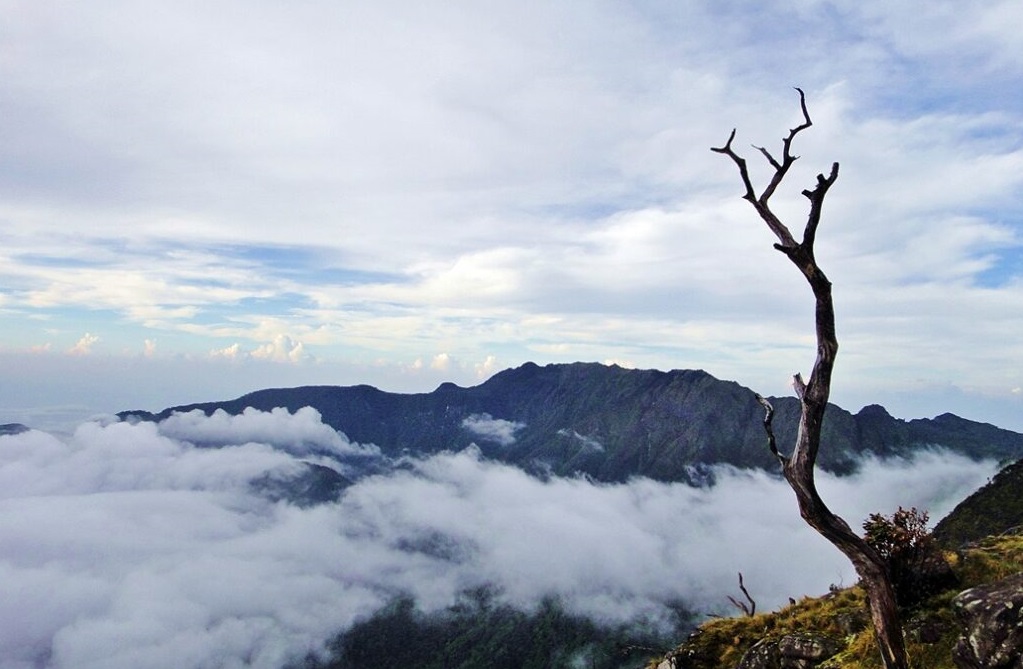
388, 183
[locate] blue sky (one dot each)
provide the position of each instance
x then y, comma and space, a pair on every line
198, 200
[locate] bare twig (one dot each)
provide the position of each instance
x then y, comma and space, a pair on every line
748, 611
798, 385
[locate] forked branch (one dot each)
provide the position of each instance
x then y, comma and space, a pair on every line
748, 610
786, 242
798, 468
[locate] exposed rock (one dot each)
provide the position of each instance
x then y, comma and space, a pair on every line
686, 655
761, 655
802, 651
851, 622
992, 620
792, 651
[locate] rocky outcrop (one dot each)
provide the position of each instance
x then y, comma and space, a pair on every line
761, 655
992, 619
792, 651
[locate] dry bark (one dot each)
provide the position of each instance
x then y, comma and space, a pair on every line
798, 468
748, 610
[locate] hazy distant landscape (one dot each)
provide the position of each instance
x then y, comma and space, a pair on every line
378, 334
143, 543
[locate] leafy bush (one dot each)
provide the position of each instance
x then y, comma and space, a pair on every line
901, 534
917, 567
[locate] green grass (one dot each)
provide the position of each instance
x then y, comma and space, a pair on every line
842, 614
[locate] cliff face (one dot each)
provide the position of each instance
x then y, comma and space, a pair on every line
610, 423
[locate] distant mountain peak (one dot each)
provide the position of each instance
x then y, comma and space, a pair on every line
647, 422
874, 411
13, 428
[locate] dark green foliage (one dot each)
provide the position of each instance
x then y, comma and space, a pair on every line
612, 423
898, 536
915, 563
994, 509
480, 633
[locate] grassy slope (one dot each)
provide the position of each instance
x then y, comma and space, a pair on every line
722, 642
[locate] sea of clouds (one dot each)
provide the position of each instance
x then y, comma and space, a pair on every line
126, 545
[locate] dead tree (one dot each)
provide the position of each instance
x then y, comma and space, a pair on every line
748, 610
798, 468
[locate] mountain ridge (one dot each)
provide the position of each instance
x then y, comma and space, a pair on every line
610, 423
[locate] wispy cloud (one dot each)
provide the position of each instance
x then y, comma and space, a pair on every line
492, 429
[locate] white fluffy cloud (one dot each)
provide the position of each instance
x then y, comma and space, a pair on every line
441, 362
84, 345
300, 433
281, 349
493, 429
122, 545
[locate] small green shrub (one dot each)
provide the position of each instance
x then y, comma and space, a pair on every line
916, 565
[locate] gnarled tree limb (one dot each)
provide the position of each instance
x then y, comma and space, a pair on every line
768, 419
798, 468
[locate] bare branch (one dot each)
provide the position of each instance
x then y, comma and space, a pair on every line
774, 163
804, 125
741, 163
798, 385
816, 197
753, 604
781, 168
768, 418
727, 148
786, 157
748, 611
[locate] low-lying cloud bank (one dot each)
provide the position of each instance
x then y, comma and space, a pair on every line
124, 545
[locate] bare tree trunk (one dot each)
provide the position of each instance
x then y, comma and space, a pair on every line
798, 468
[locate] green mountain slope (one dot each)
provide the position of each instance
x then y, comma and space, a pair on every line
993, 509
479, 633
610, 423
